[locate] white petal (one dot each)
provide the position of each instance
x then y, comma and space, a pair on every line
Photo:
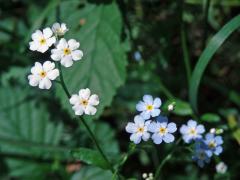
33, 80
37, 68
33, 46
43, 48
55, 26
84, 93
90, 110
52, 75
136, 138
79, 111
37, 35
51, 41
131, 128
157, 102
45, 84
77, 55
48, 65
73, 44
56, 54
94, 100
74, 99
153, 127
192, 123
141, 106
155, 112
139, 120
184, 129
171, 127
47, 33
146, 136
62, 44
168, 138
67, 61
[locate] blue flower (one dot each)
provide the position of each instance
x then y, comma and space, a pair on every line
137, 56
162, 131
149, 106
138, 129
213, 144
191, 131
200, 154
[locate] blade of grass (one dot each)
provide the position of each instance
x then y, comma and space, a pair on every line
212, 47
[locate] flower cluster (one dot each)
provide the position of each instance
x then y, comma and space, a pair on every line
64, 52
144, 127
206, 146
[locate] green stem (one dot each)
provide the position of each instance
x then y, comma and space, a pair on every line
168, 157
84, 122
184, 46
206, 12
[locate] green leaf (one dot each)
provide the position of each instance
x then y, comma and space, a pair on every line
103, 67
25, 129
212, 47
91, 157
89, 173
210, 117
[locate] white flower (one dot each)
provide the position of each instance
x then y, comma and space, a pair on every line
138, 129
149, 107
66, 52
221, 167
42, 40
42, 75
212, 130
84, 102
170, 107
59, 29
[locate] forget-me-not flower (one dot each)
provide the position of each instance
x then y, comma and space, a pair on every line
200, 154
162, 130
213, 144
191, 131
138, 129
149, 107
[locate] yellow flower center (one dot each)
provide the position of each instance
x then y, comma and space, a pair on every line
140, 129
43, 74
212, 144
66, 51
42, 41
192, 131
162, 130
84, 102
149, 107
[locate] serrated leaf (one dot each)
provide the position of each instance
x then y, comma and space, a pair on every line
23, 124
103, 67
91, 157
210, 117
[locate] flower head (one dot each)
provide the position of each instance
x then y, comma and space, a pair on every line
84, 102
213, 144
59, 29
42, 75
149, 106
162, 131
66, 52
42, 40
221, 168
138, 129
200, 155
191, 131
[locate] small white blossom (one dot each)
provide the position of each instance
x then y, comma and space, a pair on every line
66, 52
42, 75
170, 107
59, 29
221, 167
144, 175
42, 40
84, 102
212, 130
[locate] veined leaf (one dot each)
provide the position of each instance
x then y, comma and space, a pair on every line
23, 126
103, 67
207, 55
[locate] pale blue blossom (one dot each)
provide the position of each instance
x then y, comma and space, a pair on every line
192, 131
213, 144
149, 107
138, 129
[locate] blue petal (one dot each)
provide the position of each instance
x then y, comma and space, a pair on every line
171, 127
157, 139
168, 138
155, 112
131, 127
184, 129
157, 102
145, 115
219, 140
200, 129
139, 120
141, 106
148, 99
218, 150
136, 138
162, 119
153, 127
192, 123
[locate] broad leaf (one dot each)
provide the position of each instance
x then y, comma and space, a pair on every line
210, 117
103, 67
